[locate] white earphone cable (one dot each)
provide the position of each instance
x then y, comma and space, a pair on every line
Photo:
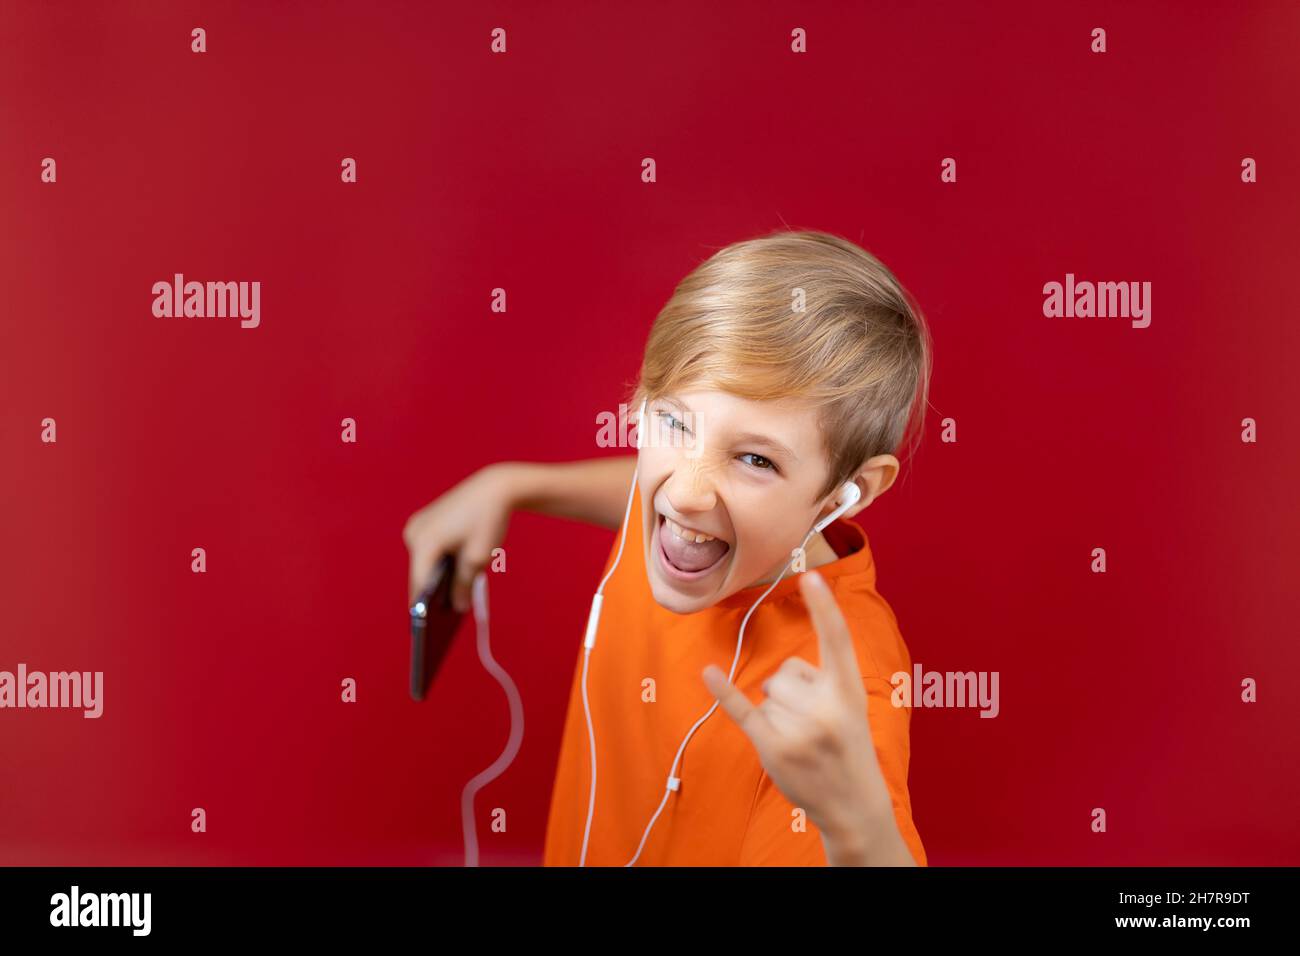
478, 593
674, 782
593, 619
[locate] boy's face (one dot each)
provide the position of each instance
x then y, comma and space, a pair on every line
744, 473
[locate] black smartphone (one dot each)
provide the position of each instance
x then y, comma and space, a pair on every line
433, 625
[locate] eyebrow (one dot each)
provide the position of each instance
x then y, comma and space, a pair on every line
745, 438
749, 438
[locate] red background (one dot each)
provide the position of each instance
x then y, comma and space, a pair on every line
523, 171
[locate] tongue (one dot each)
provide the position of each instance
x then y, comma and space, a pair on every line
690, 555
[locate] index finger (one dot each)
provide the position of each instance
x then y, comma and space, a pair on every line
834, 640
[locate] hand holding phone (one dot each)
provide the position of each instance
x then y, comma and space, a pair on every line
469, 522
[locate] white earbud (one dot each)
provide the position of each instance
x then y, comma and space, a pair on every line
850, 495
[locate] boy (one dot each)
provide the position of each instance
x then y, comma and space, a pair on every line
781, 369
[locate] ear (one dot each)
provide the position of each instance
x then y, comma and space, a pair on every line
874, 478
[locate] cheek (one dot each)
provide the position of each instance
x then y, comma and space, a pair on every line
652, 467
768, 537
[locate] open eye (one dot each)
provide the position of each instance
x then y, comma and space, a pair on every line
671, 420
761, 463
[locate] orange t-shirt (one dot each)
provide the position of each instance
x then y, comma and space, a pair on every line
727, 811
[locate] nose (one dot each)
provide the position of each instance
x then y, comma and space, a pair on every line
690, 488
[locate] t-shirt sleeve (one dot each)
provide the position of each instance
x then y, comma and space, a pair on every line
778, 836
890, 731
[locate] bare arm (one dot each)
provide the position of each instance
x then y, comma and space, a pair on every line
593, 490
470, 520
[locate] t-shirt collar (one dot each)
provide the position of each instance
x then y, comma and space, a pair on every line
845, 537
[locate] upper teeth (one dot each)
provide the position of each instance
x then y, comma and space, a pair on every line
686, 533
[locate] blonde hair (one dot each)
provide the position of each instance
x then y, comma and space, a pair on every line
860, 352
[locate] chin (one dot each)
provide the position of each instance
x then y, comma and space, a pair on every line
672, 600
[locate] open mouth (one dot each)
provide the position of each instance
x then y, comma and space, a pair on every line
686, 554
